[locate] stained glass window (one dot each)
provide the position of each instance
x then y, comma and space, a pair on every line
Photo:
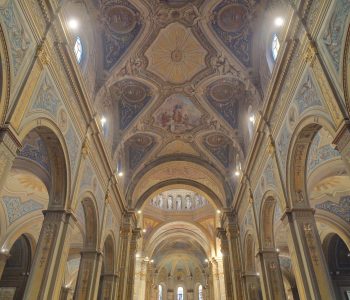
78, 49
180, 293
275, 46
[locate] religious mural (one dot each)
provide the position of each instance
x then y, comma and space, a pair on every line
220, 146
137, 148
177, 114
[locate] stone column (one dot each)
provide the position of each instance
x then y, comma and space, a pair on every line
216, 290
311, 271
232, 231
3, 259
124, 247
221, 234
66, 293
136, 234
221, 278
273, 287
46, 274
252, 283
89, 275
9, 145
107, 285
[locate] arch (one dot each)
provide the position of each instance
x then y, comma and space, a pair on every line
59, 190
346, 73
266, 223
109, 255
297, 157
177, 229
209, 173
183, 183
5, 78
17, 268
91, 222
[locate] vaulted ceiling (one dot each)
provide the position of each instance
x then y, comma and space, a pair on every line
174, 79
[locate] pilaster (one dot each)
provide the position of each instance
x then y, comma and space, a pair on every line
273, 287
232, 231
66, 293
312, 275
252, 283
107, 285
88, 276
9, 146
136, 234
50, 256
221, 234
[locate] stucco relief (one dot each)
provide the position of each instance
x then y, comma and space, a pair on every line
342, 210
16, 208
18, 35
333, 33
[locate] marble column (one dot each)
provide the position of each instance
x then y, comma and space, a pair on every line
136, 234
89, 275
107, 286
311, 271
46, 274
273, 287
232, 231
66, 293
124, 247
3, 259
221, 234
9, 146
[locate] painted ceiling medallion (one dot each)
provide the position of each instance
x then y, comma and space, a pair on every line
177, 114
137, 148
225, 96
230, 23
231, 18
176, 55
122, 26
219, 145
132, 96
121, 19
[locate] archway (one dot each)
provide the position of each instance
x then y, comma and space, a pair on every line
108, 277
16, 271
272, 287
311, 270
90, 261
338, 259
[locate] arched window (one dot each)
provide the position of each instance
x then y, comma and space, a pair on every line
160, 292
275, 46
78, 49
200, 292
180, 293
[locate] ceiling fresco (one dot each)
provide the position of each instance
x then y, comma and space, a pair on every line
231, 24
122, 26
177, 76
